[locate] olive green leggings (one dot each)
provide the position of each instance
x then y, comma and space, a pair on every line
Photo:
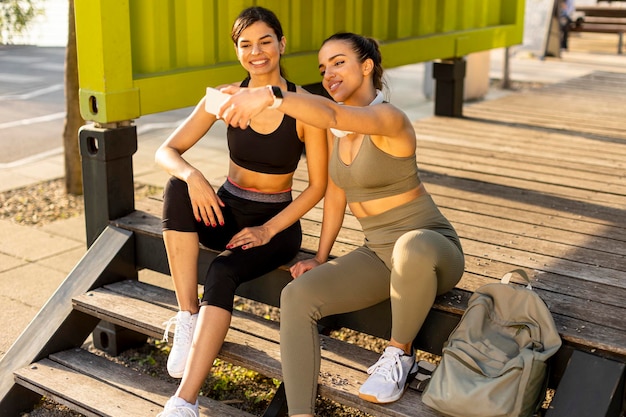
419, 265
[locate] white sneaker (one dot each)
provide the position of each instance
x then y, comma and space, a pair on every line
389, 377
185, 323
177, 407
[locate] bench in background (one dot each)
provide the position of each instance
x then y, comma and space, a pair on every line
603, 19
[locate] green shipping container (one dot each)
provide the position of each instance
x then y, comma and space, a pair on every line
137, 57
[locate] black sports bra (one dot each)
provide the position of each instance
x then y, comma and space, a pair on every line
277, 152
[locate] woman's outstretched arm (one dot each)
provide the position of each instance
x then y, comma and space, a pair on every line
318, 111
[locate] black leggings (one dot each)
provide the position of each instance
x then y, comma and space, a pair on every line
232, 267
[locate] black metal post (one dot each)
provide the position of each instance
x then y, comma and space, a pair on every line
449, 76
109, 193
107, 175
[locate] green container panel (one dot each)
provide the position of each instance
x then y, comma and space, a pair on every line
139, 57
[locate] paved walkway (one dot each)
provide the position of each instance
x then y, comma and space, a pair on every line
34, 260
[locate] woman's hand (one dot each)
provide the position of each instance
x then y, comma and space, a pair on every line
244, 104
205, 203
250, 237
303, 266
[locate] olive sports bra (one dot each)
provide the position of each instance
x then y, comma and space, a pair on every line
373, 173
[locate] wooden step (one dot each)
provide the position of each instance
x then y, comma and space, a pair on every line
489, 255
252, 342
95, 386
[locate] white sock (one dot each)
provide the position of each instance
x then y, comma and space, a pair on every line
179, 402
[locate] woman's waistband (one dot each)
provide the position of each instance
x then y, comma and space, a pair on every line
260, 197
420, 213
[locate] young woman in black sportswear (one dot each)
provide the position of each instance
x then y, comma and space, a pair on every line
251, 218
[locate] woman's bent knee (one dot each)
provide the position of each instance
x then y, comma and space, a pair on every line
177, 210
297, 299
416, 249
291, 295
431, 253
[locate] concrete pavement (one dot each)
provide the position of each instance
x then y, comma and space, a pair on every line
34, 260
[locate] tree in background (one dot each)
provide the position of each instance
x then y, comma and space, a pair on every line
15, 15
73, 119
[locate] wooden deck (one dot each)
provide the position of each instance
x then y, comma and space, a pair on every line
534, 180
537, 180
588, 107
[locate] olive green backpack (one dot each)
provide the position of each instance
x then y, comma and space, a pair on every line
494, 362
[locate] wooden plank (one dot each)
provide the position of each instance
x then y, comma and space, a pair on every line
102, 387
339, 377
527, 143
519, 109
531, 220
520, 166
574, 319
617, 29
537, 161
602, 11
84, 394
532, 181
56, 326
138, 384
550, 234
530, 187
605, 20
354, 356
599, 218
589, 105
538, 254
586, 248
492, 251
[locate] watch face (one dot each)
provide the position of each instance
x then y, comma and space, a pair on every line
278, 93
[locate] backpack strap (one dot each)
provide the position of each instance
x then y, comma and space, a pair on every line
507, 277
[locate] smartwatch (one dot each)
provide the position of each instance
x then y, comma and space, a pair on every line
277, 93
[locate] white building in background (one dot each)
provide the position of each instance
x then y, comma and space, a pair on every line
49, 28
